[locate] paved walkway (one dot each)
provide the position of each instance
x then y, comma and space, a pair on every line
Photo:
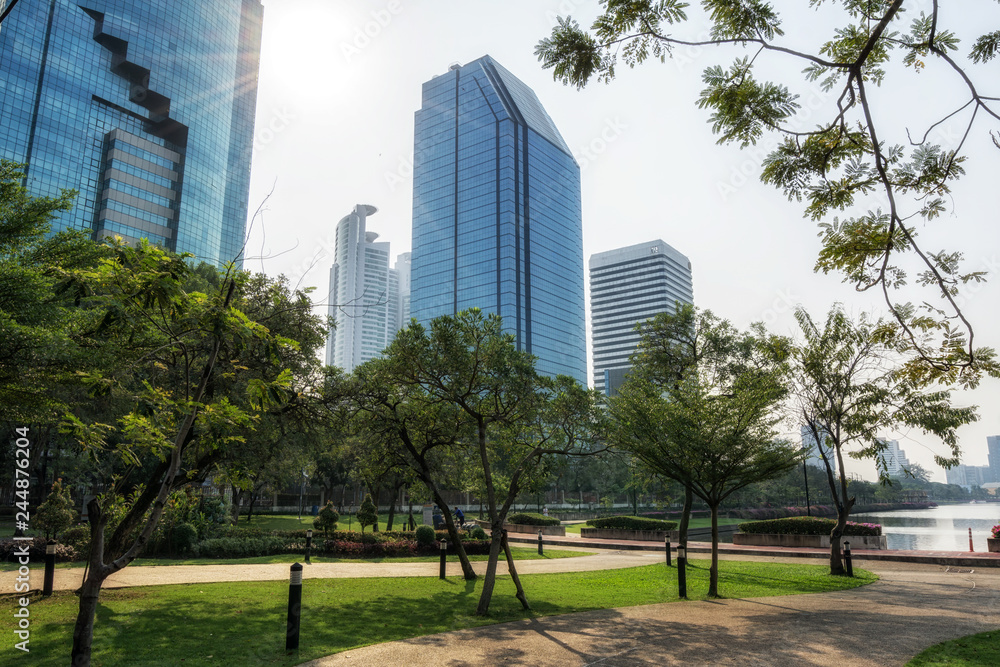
912, 607
71, 578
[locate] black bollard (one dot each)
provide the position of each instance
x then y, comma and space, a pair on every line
682, 587
847, 559
666, 543
309, 545
540, 542
294, 608
50, 567
444, 554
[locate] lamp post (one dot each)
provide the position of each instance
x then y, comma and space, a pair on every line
847, 559
309, 543
302, 490
682, 590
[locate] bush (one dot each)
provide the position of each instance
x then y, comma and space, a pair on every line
632, 523
184, 537
425, 535
234, 547
532, 519
327, 519
477, 533
368, 513
77, 538
56, 514
9, 551
806, 525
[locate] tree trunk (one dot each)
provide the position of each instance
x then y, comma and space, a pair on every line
83, 631
836, 559
713, 572
496, 542
467, 572
513, 573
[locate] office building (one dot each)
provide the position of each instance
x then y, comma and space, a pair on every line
993, 447
364, 293
968, 476
896, 463
145, 108
402, 268
628, 286
817, 454
497, 220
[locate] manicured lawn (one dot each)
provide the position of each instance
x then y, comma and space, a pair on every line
982, 650
244, 623
520, 553
347, 521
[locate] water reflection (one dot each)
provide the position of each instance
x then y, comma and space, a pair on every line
944, 528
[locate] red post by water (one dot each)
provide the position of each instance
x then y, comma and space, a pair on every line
970, 540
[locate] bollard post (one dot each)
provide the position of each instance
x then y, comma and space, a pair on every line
666, 543
309, 544
540, 542
682, 589
970, 541
50, 567
444, 553
294, 608
847, 559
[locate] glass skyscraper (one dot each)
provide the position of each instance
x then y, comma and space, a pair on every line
146, 108
497, 221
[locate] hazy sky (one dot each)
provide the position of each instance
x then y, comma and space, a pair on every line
340, 82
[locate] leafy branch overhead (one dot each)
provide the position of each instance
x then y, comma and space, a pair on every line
846, 160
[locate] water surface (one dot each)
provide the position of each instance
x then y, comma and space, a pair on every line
943, 528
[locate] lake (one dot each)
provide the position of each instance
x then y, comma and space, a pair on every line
944, 528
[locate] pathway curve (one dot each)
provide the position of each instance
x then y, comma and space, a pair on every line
886, 623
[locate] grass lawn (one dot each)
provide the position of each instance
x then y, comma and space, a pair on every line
244, 623
979, 650
695, 523
520, 553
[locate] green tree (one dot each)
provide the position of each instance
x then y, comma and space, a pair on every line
700, 407
368, 513
851, 387
857, 150
327, 519
56, 514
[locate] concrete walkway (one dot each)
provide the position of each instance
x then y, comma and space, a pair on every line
71, 578
912, 607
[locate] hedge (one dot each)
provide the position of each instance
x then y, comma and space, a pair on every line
532, 519
10, 552
808, 525
823, 510
632, 523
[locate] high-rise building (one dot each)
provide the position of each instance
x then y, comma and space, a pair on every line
497, 221
145, 108
896, 463
815, 456
364, 293
402, 268
628, 286
993, 446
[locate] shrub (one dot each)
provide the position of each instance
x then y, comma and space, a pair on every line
367, 513
327, 519
184, 537
9, 551
77, 538
425, 535
805, 525
233, 547
995, 534
632, 523
56, 514
477, 533
532, 519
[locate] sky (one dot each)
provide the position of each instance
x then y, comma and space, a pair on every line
340, 82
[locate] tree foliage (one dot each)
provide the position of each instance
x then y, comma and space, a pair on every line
56, 514
851, 155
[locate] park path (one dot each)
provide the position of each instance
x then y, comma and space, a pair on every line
911, 607
71, 578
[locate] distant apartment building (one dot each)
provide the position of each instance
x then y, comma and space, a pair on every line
993, 446
896, 463
816, 454
968, 476
364, 293
628, 286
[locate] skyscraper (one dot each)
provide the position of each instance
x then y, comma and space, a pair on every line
497, 220
993, 454
628, 286
815, 457
145, 108
896, 463
364, 293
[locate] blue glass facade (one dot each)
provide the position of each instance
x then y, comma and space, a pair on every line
497, 220
145, 108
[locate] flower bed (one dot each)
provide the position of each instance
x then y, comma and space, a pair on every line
808, 532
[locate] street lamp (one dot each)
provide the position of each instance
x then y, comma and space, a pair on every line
302, 490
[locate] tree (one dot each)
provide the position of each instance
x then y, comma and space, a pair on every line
56, 514
185, 374
327, 519
462, 390
850, 387
368, 513
852, 153
700, 407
